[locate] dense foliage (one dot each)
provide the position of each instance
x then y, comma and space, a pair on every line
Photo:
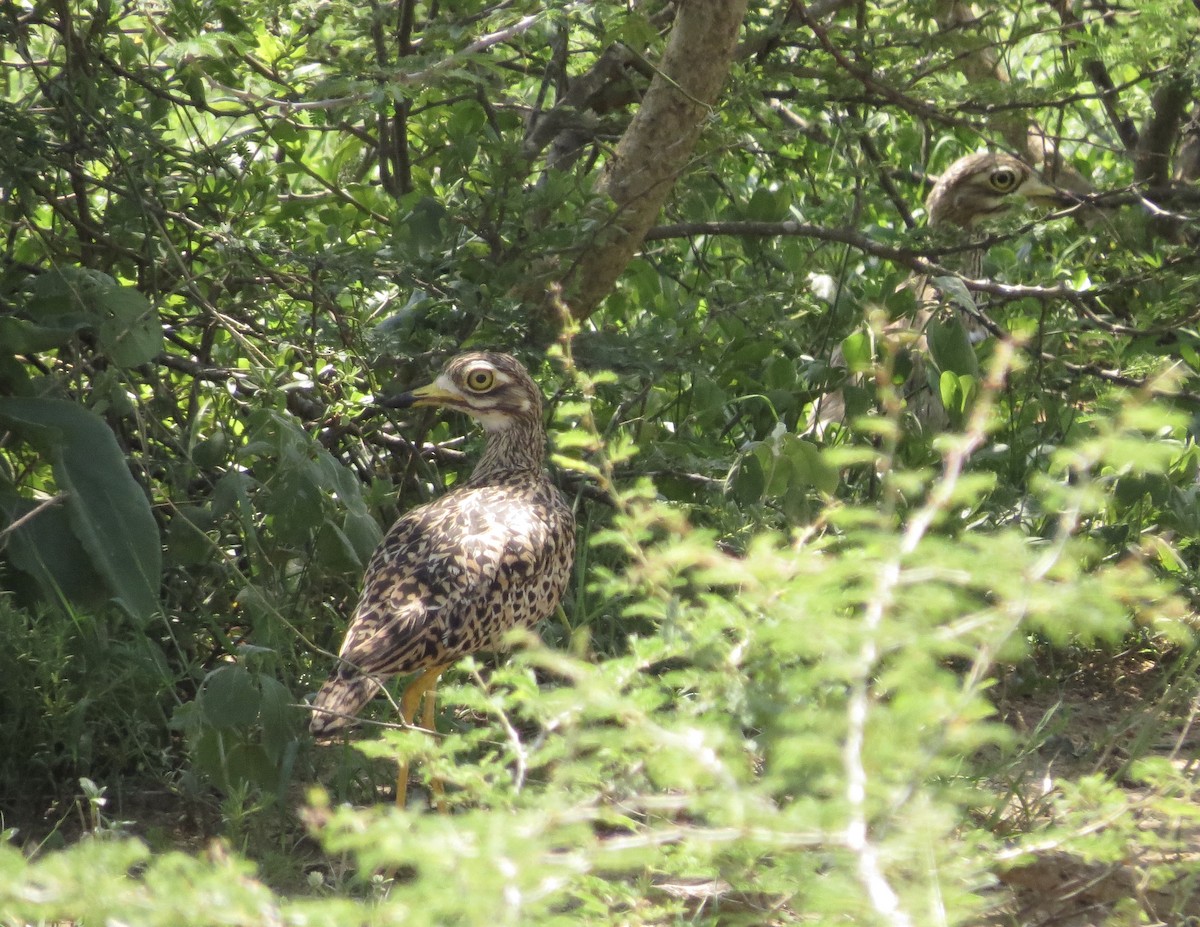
820, 678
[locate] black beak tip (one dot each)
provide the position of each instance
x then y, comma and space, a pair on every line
399, 401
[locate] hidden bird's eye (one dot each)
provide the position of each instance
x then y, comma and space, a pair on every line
480, 379
1004, 179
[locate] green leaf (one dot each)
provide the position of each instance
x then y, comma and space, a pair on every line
187, 544
954, 291
249, 764
949, 391
950, 346
362, 531
19, 336
809, 468
278, 717
748, 481
129, 333
61, 296
229, 697
47, 549
69, 298
108, 511
856, 348
957, 394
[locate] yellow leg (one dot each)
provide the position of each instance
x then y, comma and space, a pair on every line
426, 682
429, 722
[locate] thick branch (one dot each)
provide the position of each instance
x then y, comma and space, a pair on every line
571, 123
1098, 74
1152, 157
656, 147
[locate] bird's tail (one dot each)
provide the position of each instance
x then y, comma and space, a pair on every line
340, 699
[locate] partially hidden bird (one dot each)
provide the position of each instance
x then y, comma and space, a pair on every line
453, 576
972, 190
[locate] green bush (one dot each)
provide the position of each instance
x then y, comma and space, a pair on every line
879, 675
802, 730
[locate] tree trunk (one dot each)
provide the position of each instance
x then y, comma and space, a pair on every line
656, 147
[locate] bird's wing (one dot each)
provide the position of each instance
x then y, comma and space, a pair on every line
431, 580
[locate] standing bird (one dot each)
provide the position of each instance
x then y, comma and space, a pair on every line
972, 190
452, 576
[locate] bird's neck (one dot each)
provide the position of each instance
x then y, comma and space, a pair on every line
520, 446
970, 263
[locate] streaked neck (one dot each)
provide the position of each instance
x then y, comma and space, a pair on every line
521, 446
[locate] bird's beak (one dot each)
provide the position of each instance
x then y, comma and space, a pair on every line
1040, 193
431, 395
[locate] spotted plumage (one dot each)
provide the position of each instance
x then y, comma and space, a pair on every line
453, 576
972, 190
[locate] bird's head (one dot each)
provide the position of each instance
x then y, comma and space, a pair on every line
492, 388
981, 186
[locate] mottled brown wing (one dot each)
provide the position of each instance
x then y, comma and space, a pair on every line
436, 583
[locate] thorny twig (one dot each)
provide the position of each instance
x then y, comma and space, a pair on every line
857, 834
514, 738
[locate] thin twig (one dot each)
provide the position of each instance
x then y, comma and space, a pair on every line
483, 43
33, 513
514, 738
857, 834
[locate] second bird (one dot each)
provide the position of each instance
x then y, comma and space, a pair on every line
972, 190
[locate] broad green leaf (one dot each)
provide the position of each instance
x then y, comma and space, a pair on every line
278, 717
950, 392
62, 295
748, 480
230, 697
857, 350
249, 764
968, 386
950, 346
957, 394
186, 542
47, 549
363, 533
130, 333
809, 468
108, 510
778, 466
71, 298
19, 336
955, 291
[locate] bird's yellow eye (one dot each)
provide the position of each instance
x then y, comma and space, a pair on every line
1003, 179
480, 379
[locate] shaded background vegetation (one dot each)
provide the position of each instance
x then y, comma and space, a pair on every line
798, 678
